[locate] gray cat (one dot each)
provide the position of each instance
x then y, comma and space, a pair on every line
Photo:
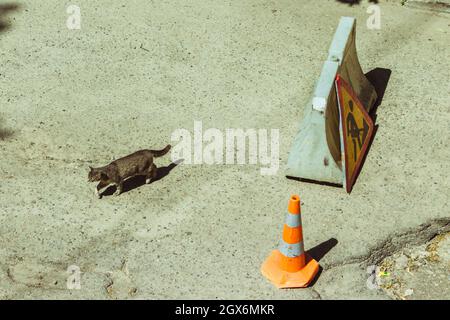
139, 163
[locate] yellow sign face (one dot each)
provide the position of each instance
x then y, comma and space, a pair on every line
356, 131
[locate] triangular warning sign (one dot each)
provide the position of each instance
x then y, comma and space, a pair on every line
356, 129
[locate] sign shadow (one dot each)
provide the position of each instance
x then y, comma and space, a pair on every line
379, 78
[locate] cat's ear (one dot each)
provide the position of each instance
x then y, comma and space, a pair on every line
91, 168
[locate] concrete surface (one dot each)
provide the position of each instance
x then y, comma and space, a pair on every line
137, 71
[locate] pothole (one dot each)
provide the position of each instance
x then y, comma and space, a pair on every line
413, 237
120, 285
418, 272
35, 274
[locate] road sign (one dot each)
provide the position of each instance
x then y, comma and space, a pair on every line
356, 129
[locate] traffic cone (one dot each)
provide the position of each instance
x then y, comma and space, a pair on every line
289, 266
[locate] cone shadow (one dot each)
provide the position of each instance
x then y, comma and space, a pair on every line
318, 252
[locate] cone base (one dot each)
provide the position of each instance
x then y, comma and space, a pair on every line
283, 279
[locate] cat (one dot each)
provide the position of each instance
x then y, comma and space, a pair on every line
139, 163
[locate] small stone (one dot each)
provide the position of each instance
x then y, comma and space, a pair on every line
409, 292
422, 254
402, 262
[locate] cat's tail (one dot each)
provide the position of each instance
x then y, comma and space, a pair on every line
160, 153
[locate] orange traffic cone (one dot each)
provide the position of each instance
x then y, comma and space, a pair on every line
289, 266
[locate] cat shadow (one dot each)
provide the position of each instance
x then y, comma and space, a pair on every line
5, 24
352, 2
138, 181
4, 132
5, 9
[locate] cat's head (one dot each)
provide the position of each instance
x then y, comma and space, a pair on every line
96, 174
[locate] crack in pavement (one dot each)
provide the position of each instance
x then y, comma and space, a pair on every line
317, 294
394, 243
414, 236
49, 158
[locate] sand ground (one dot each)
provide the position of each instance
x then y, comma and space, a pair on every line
138, 70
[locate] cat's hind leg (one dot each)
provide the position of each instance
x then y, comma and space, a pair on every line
152, 172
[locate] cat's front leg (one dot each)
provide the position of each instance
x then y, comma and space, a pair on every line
100, 186
119, 188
